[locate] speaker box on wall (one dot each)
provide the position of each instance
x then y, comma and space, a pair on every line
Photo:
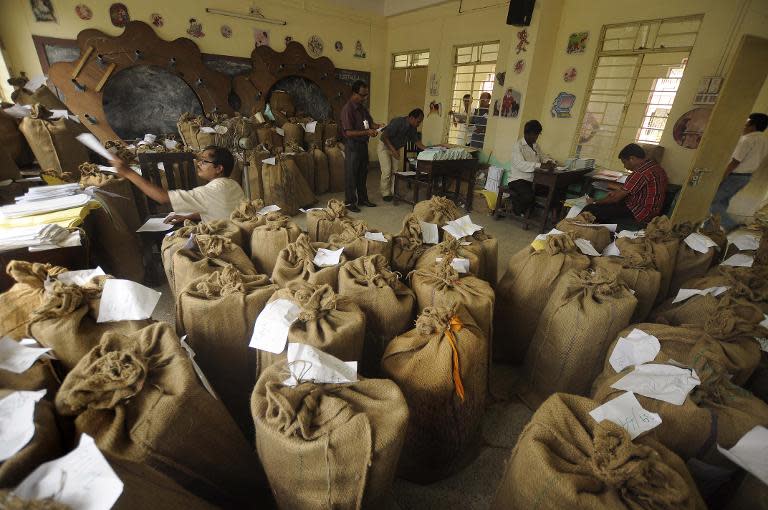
520, 12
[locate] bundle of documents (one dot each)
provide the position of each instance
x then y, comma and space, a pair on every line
444, 154
579, 164
42, 206
38, 238
48, 192
609, 175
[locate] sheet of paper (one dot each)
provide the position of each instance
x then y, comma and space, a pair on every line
462, 227
610, 226
207, 129
577, 206
170, 144
763, 344
586, 247
109, 169
631, 234
125, 300
764, 323
310, 127
626, 412
612, 250
739, 260
196, 367
553, 232
59, 114
268, 209
82, 479
429, 233
751, 453
459, 264
80, 277
18, 357
280, 131
684, 294
307, 363
744, 241
635, 349
305, 211
661, 382
406, 174
270, 333
259, 117
270, 161
94, 144
375, 236
18, 111
700, 242
36, 82
155, 225
191, 243
150, 138
495, 174
327, 258
17, 424
31, 342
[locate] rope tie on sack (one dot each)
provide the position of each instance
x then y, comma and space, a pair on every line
733, 319
563, 243
446, 320
454, 326
248, 209
659, 229
33, 274
59, 300
213, 246
314, 301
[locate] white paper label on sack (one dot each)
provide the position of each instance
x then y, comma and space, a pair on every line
270, 333
268, 209
150, 138
626, 412
763, 343
744, 242
36, 82
739, 260
375, 236
460, 265
125, 300
586, 247
18, 111
327, 258
259, 117
59, 114
307, 363
751, 453
18, 357
661, 382
577, 205
310, 127
684, 294
198, 370
462, 227
764, 322
108, 169
17, 421
636, 348
93, 143
270, 161
280, 131
221, 130
699, 242
80, 277
305, 211
155, 225
82, 479
612, 250
191, 244
631, 234
553, 232
610, 226
170, 144
429, 233
207, 129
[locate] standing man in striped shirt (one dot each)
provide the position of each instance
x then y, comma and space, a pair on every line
641, 198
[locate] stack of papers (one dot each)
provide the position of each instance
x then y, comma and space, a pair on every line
38, 238
31, 208
462, 227
48, 192
444, 154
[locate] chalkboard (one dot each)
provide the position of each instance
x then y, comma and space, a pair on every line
307, 97
225, 64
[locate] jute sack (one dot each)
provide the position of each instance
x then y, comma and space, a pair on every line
689, 263
280, 101
8, 167
387, 303
329, 322
352, 239
438, 210
26, 295
328, 445
45, 445
185, 120
306, 164
751, 494
269, 239
210, 252
256, 159
486, 247
322, 172
577, 326
41, 375
335, 154
330, 130
264, 133
442, 368
408, 246
246, 217
12, 140
323, 223
713, 229
285, 186
665, 246
217, 313
296, 263
66, 322
581, 228
13, 502
316, 138
156, 412
525, 289
43, 95
293, 134
449, 250
53, 141
638, 272
564, 459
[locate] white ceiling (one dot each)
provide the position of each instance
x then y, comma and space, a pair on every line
387, 7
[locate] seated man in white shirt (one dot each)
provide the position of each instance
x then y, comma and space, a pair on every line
214, 201
526, 157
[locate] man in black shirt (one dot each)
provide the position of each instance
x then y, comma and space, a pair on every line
394, 137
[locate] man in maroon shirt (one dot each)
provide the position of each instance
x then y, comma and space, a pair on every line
357, 127
640, 198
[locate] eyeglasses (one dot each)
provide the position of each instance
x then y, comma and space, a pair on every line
201, 161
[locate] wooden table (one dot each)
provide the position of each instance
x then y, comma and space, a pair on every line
427, 173
556, 184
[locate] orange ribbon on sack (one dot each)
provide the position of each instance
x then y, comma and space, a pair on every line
454, 326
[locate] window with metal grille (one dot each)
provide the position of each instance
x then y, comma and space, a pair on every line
474, 74
410, 59
634, 81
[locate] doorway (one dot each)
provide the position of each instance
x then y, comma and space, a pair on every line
407, 82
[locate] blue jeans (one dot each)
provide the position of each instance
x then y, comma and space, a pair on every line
728, 188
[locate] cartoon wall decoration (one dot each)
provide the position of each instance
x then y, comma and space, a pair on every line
519, 66
561, 106
195, 28
156, 19
569, 74
43, 10
522, 41
500, 77
118, 14
589, 127
315, 46
689, 128
359, 51
226, 31
338, 46
261, 37
435, 107
83, 12
509, 104
577, 42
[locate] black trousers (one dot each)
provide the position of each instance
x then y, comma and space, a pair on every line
521, 195
611, 213
355, 173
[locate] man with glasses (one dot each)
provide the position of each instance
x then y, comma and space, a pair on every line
214, 201
357, 127
398, 132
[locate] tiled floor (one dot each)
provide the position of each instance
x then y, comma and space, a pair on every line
474, 486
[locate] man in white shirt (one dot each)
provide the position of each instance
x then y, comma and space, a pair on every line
527, 156
747, 156
214, 201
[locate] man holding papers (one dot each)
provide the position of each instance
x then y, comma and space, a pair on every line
214, 201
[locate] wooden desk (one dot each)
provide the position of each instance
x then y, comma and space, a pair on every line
556, 184
427, 172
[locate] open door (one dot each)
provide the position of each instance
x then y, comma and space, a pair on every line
737, 96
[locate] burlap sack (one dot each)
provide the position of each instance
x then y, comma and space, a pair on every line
665, 246
352, 239
293, 133
328, 445
8, 167
442, 368
264, 133
53, 141
296, 263
40, 376
26, 295
600, 237
330, 130
306, 164
486, 247
246, 217
439, 210
576, 328
449, 250
43, 95
441, 285
155, 411
335, 155
256, 159
13, 142
315, 138
689, 262
285, 186
277, 141
13, 502
564, 459
714, 231
525, 289
280, 101
408, 246
217, 313
322, 173
638, 272
387, 303
209, 253
323, 223
269, 239
329, 322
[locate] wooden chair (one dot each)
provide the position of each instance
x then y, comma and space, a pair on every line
414, 183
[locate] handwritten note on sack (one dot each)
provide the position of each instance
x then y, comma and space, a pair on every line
307, 363
462, 227
626, 412
751, 453
375, 236
327, 258
661, 382
17, 425
636, 348
125, 300
270, 333
699, 242
429, 233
